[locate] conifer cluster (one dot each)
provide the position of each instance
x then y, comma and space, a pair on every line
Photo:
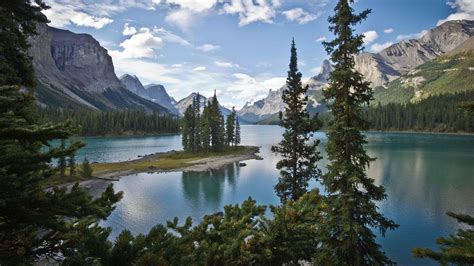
208, 131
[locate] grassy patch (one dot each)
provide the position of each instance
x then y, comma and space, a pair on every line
165, 161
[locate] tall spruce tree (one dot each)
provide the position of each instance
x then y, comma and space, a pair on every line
217, 125
197, 123
185, 129
351, 195
230, 128
298, 165
205, 128
32, 219
237, 132
188, 129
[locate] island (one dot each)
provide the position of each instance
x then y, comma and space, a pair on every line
175, 161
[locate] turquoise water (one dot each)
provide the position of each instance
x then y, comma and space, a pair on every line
424, 175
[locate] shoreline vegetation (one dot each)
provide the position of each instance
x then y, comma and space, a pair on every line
171, 161
175, 161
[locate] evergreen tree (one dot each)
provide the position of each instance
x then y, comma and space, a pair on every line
352, 212
298, 165
237, 132
188, 129
205, 129
185, 129
456, 249
62, 160
230, 128
216, 124
86, 169
197, 122
34, 222
72, 166
18, 21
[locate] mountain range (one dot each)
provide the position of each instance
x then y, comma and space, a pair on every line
391, 67
74, 71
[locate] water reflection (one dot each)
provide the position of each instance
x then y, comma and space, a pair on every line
206, 188
424, 176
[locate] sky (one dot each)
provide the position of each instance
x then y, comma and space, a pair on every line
239, 48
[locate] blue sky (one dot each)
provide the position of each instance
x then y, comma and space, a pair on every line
240, 48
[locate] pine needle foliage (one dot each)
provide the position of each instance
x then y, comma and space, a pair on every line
351, 195
300, 156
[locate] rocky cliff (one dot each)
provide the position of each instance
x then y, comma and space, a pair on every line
74, 71
402, 57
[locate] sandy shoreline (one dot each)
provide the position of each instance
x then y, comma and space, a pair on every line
100, 182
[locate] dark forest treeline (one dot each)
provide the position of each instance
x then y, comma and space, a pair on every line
115, 122
437, 113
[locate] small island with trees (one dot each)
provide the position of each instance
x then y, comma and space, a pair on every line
209, 141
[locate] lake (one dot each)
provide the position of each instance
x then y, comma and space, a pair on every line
425, 175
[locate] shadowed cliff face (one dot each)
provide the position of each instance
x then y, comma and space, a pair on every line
73, 70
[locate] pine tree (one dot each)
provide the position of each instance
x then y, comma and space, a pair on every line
217, 125
197, 123
230, 128
298, 165
205, 129
456, 249
237, 132
33, 219
188, 129
86, 169
185, 129
351, 194
18, 21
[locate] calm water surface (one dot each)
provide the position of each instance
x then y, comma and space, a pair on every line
424, 176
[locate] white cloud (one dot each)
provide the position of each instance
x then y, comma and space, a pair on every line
62, 15
377, 47
177, 65
199, 68
250, 11
143, 42
128, 30
411, 36
247, 87
464, 9
208, 47
182, 18
140, 45
225, 64
370, 36
388, 31
195, 5
321, 39
299, 15
170, 37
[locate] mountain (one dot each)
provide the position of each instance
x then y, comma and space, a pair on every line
187, 101
447, 74
133, 84
402, 57
158, 94
381, 69
262, 109
151, 92
74, 71
267, 108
